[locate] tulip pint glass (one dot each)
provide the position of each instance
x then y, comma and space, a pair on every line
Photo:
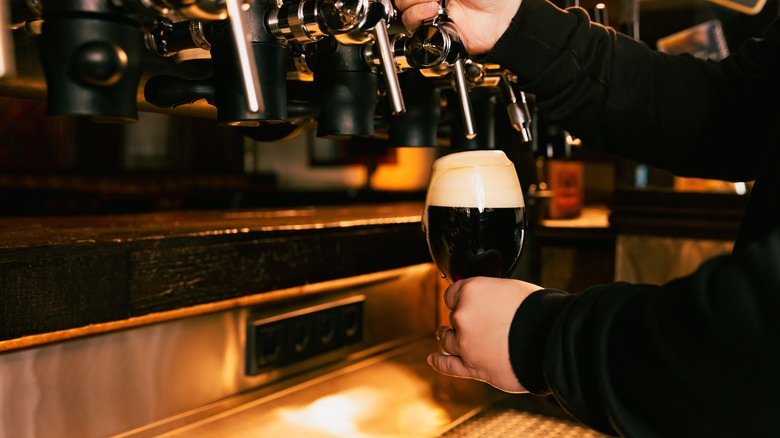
474, 217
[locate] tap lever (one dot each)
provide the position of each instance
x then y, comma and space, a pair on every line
435, 48
462, 88
387, 57
389, 68
246, 56
517, 108
459, 70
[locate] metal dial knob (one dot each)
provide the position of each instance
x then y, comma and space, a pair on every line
341, 16
428, 47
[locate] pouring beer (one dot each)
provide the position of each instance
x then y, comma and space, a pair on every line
474, 217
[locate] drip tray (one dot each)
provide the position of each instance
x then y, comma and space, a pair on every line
524, 416
394, 394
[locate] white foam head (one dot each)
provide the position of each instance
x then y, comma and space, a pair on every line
476, 179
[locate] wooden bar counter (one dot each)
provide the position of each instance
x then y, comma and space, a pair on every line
68, 276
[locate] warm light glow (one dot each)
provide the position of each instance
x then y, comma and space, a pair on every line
338, 414
682, 184
389, 402
410, 172
423, 416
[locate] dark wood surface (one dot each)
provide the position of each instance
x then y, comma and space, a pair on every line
60, 273
677, 214
577, 253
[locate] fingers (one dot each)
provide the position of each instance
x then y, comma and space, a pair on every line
448, 342
416, 11
452, 294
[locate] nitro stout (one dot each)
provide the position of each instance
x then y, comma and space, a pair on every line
474, 217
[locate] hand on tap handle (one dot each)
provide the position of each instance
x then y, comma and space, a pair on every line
436, 49
479, 23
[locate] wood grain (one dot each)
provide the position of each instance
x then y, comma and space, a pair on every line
58, 274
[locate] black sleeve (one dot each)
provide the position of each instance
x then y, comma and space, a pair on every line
698, 356
679, 113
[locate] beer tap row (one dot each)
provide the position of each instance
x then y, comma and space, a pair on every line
263, 61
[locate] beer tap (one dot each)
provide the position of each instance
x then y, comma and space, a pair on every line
419, 125
436, 50
346, 92
91, 58
349, 22
184, 40
92, 50
235, 12
492, 75
228, 88
516, 107
238, 44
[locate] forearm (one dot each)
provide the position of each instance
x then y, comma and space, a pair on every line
620, 97
697, 356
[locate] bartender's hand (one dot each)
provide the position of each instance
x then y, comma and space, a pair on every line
480, 23
477, 345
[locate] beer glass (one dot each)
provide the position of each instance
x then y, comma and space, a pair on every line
474, 217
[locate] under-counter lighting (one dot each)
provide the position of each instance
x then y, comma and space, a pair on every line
400, 405
353, 413
386, 399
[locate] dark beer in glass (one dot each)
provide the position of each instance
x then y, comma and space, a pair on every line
474, 216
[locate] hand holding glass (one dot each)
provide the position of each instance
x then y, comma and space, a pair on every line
474, 217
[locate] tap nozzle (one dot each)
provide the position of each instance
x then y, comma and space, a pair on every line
517, 108
435, 48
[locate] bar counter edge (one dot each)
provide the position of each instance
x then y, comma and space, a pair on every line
62, 275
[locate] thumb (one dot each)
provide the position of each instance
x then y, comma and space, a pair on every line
451, 365
417, 13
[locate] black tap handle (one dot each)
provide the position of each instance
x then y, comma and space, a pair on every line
169, 91
599, 14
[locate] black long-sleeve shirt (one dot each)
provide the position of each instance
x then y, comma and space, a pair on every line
700, 355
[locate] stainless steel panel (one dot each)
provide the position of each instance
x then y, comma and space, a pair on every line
394, 394
106, 384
